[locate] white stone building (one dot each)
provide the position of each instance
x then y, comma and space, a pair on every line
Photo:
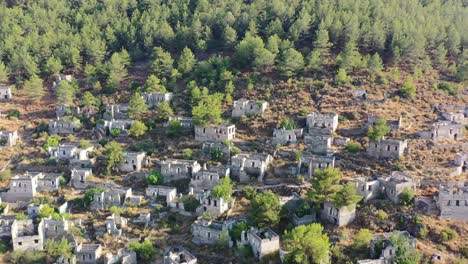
153, 99
322, 120
133, 161
246, 165
216, 133
248, 107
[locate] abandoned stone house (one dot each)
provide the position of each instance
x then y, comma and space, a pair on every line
360, 94
73, 153
8, 138
66, 110
64, 126
153, 192
318, 141
461, 161
215, 133
447, 130
133, 161
60, 78
153, 99
114, 224
209, 232
209, 149
393, 124
185, 122
309, 163
24, 187
456, 113
284, 136
176, 169
122, 124
111, 197
263, 242
341, 216
5, 93
33, 209
206, 179
248, 107
306, 219
213, 205
6, 221
387, 148
382, 243
78, 178
88, 253
26, 236
123, 256
116, 111
453, 201
324, 121
390, 186
247, 165
178, 255
53, 228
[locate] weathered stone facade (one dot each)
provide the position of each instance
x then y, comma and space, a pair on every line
393, 124
24, 187
60, 78
153, 99
175, 169
65, 110
79, 177
185, 122
64, 126
122, 124
114, 224
6, 221
206, 179
324, 121
388, 250
214, 133
309, 163
248, 107
208, 148
263, 242
461, 161
73, 153
246, 165
111, 197
88, 253
123, 256
455, 113
5, 93
52, 228
8, 138
318, 140
178, 255
133, 161
387, 148
453, 201
154, 191
213, 206
116, 111
338, 216
283, 136
447, 130
368, 189
391, 186
209, 232
25, 236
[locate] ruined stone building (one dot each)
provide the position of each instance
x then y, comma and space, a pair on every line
213, 205
247, 165
73, 153
78, 178
263, 242
318, 140
211, 148
215, 133
27, 237
24, 187
178, 255
284, 136
5, 93
111, 197
33, 210
6, 221
122, 124
54, 229
8, 138
393, 124
66, 110
338, 216
388, 250
206, 179
453, 201
88, 253
153, 192
185, 122
209, 232
369, 189
153, 99
327, 121
309, 163
248, 107
461, 161
64, 126
133, 161
123, 256
447, 130
455, 113
116, 111
387, 148
390, 186
176, 169
114, 224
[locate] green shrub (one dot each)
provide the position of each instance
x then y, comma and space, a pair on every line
13, 113
249, 192
190, 203
115, 132
406, 197
408, 89
449, 88
353, 147
187, 153
154, 178
382, 215
448, 234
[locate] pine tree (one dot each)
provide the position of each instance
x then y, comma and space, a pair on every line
34, 88
153, 85
291, 62
307, 244
162, 63
137, 129
4, 72
375, 63
66, 92
137, 106
53, 66
186, 61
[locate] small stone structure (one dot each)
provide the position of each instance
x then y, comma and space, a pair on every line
318, 140
314, 162
391, 186
154, 191
208, 178
208, 148
33, 210
387, 148
461, 161
209, 232
284, 136
215, 133
360, 94
78, 178
24, 187
213, 205
388, 250
5, 93
263, 242
8, 138
123, 256
88, 253
73, 153
453, 201
455, 113
248, 107
185, 122
116, 111
368, 189
393, 124
133, 161
324, 121
153, 99
122, 124
447, 130
6, 221
246, 165
338, 216
66, 110
178, 255
114, 224
64, 126
111, 197
52, 228
176, 169
25, 236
